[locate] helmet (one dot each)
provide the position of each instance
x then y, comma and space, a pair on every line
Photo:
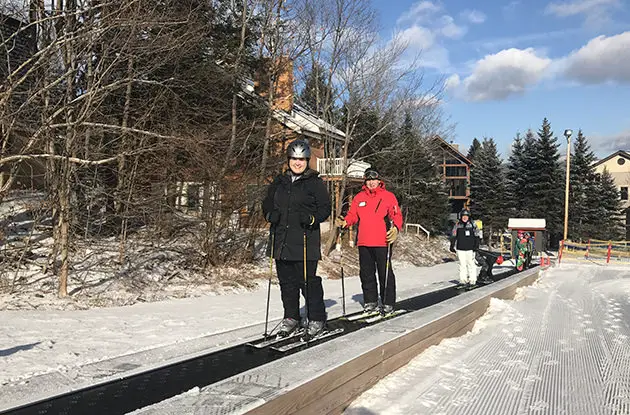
299, 149
464, 212
371, 174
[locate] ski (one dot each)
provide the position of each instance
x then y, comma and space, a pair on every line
302, 341
270, 341
362, 315
381, 317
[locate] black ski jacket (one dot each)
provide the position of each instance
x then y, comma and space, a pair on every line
307, 195
465, 236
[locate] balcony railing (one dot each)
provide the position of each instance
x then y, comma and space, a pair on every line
336, 167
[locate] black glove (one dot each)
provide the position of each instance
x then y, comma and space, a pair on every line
452, 248
306, 220
273, 217
476, 245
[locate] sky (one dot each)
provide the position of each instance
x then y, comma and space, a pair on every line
509, 64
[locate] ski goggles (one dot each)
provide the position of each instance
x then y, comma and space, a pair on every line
371, 175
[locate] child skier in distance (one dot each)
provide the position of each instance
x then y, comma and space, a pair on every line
465, 242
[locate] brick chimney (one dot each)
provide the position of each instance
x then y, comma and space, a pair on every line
283, 90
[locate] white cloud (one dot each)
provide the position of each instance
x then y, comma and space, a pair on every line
602, 59
603, 145
423, 27
419, 11
418, 37
449, 29
452, 82
596, 12
473, 16
501, 75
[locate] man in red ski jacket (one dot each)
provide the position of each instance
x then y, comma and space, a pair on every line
379, 220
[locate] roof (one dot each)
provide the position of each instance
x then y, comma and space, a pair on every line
452, 149
300, 119
527, 223
621, 153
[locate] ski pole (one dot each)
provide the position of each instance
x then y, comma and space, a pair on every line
343, 287
271, 238
389, 250
306, 308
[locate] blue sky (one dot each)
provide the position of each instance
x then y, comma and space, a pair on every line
508, 64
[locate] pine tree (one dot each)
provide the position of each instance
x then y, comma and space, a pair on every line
412, 174
474, 147
583, 194
487, 187
547, 184
516, 177
608, 223
525, 197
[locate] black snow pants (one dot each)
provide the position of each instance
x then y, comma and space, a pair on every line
371, 259
291, 277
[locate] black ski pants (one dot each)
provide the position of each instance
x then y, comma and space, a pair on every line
371, 259
291, 277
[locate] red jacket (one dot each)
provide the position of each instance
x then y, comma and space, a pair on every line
369, 209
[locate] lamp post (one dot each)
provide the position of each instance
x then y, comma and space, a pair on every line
567, 134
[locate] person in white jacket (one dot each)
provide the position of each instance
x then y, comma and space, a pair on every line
465, 240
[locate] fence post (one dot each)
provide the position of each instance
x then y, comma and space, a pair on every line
561, 249
609, 250
588, 248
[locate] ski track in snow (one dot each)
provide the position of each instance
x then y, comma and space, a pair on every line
560, 347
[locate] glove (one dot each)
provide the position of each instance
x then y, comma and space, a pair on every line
341, 222
306, 220
273, 217
452, 248
392, 234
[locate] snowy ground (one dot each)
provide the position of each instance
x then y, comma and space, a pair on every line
561, 347
39, 349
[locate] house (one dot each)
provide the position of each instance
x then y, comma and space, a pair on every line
618, 165
455, 174
292, 121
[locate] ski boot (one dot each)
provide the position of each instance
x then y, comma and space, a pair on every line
369, 307
314, 328
287, 326
388, 309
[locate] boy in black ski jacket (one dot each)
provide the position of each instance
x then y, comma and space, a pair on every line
465, 242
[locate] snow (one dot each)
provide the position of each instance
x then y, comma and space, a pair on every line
37, 344
561, 346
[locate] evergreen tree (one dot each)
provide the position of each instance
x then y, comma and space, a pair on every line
474, 147
525, 196
583, 194
547, 183
412, 174
516, 177
487, 188
608, 222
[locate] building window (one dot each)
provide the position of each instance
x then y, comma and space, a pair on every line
624, 193
621, 161
193, 196
452, 171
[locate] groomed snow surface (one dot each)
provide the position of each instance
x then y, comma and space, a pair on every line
561, 347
